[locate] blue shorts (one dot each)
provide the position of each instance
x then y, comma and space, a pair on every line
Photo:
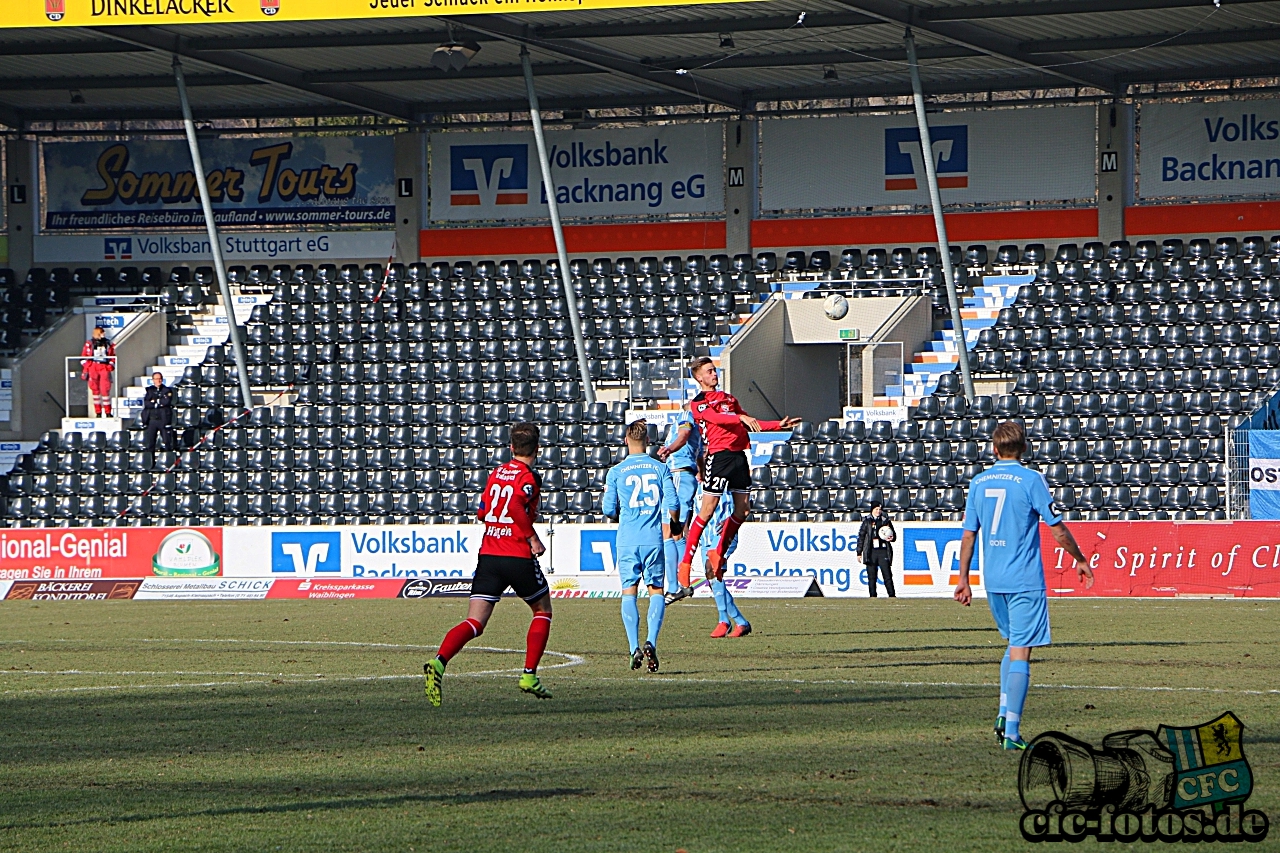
1021, 617
649, 564
686, 490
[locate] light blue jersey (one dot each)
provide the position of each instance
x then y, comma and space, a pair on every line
687, 456
639, 491
1005, 506
711, 534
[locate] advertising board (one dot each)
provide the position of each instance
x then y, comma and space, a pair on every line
142, 248
616, 172
1222, 148
146, 185
87, 553
1037, 154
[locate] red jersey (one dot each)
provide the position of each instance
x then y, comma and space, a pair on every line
716, 414
508, 508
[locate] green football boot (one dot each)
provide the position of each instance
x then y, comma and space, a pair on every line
529, 683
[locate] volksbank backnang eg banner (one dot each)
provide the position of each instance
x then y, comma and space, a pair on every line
140, 185
1228, 148
617, 172
1042, 154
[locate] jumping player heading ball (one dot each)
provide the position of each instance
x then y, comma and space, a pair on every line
724, 427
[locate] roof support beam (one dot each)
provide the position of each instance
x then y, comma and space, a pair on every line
602, 58
983, 40
567, 31
983, 11
831, 57
1180, 39
150, 81
245, 65
11, 117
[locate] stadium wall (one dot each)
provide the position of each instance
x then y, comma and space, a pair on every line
1130, 559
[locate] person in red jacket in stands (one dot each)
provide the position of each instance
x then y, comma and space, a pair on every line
99, 363
724, 427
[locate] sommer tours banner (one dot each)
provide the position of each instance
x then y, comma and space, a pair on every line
98, 13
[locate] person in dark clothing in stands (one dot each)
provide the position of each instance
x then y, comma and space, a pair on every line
157, 414
875, 548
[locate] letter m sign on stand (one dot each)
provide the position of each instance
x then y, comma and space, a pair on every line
1109, 161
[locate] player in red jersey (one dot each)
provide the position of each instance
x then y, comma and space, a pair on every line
508, 558
724, 427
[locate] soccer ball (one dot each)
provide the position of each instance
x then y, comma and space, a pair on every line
836, 306
886, 534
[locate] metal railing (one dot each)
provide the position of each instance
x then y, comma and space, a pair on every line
652, 372
75, 372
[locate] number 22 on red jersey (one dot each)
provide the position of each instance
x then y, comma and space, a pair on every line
508, 508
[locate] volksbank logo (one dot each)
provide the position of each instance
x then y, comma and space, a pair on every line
903, 168
306, 553
487, 175
931, 555
117, 248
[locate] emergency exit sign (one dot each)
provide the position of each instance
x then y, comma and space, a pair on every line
850, 334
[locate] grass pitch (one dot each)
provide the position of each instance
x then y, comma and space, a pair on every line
840, 725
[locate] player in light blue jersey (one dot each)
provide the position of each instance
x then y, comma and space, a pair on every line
681, 452
1002, 516
639, 493
732, 623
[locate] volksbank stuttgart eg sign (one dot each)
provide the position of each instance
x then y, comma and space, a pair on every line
629, 172
236, 246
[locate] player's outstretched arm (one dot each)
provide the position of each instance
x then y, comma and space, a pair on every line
963, 593
682, 438
1067, 542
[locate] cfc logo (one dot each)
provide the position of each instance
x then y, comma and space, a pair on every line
488, 175
902, 165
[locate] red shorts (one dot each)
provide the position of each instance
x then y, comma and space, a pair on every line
99, 382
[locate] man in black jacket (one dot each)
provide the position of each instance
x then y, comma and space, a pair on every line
875, 549
157, 414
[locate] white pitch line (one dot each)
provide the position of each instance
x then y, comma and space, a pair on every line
984, 685
268, 677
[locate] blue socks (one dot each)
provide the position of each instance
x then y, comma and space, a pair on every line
720, 594
657, 609
1019, 680
726, 605
1004, 683
671, 553
631, 621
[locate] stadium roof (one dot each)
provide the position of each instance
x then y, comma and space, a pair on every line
737, 56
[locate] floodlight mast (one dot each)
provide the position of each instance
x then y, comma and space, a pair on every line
935, 200
219, 267
571, 302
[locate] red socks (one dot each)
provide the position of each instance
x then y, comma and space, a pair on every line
458, 636
539, 631
731, 525
691, 541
